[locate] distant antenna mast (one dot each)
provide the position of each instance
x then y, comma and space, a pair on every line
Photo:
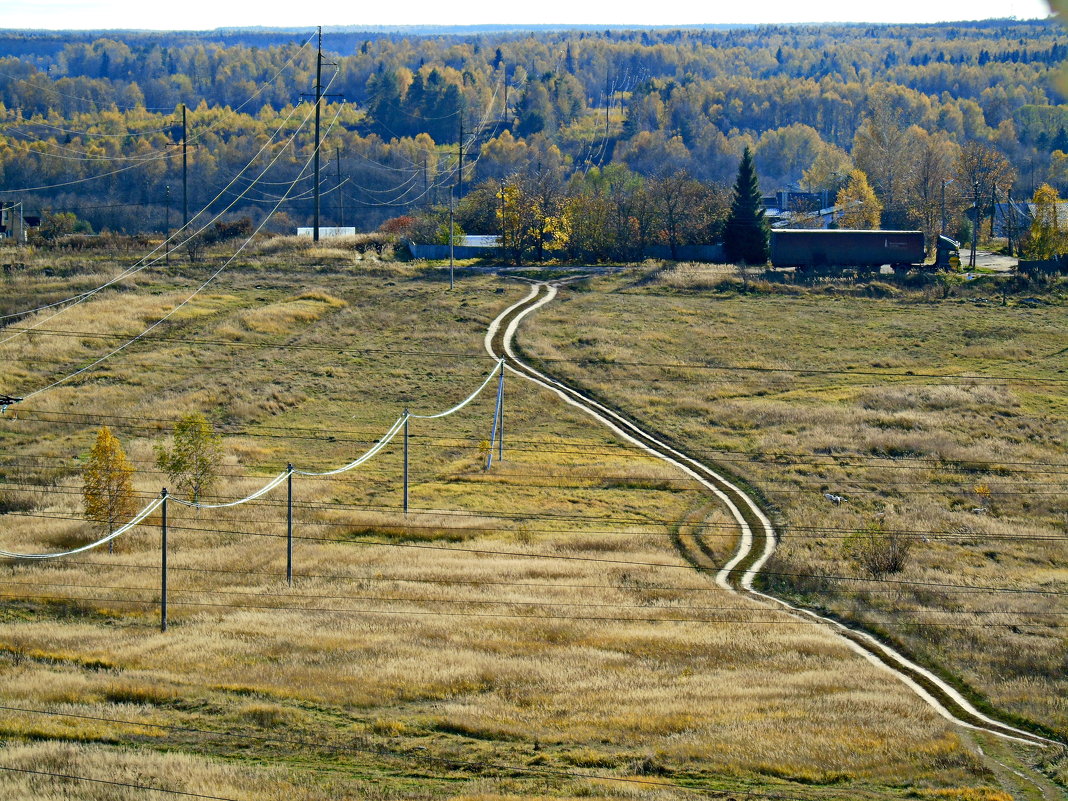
185, 172
318, 107
318, 103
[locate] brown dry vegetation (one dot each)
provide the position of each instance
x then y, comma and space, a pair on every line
389, 670
973, 471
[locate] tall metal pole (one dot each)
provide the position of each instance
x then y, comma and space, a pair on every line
167, 236
340, 194
460, 172
163, 576
500, 429
496, 417
289, 525
318, 99
185, 171
405, 461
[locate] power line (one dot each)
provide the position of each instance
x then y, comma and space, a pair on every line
528, 470
166, 316
146, 261
381, 579
636, 563
1006, 379
963, 464
259, 593
487, 615
113, 783
382, 751
459, 514
707, 530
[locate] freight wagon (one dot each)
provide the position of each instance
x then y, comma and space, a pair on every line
814, 248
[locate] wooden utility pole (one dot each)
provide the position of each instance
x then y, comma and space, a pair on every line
163, 565
452, 229
607, 100
289, 524
340, 194
406, 416
167, 236
975, 224
460, 172
318, 103
185, 171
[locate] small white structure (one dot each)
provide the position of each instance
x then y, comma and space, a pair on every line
327, 232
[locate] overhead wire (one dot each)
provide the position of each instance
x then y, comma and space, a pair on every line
961, 464
650, 605
627, 526
380, 750
139, 162
169, 314
522, 555
112, 783
483, 615
147, 260
379, 578
266, 488
601, 362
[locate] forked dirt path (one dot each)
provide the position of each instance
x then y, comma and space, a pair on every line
757, 538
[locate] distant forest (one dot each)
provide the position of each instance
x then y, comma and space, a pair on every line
91, 123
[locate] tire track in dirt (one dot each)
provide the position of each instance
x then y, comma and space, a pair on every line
757, 537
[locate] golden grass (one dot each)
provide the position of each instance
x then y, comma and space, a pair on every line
947, 448
473, 654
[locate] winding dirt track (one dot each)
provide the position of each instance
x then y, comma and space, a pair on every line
757, 535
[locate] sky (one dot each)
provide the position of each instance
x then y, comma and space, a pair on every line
207, 14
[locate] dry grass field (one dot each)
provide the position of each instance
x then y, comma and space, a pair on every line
969, 473
527, 632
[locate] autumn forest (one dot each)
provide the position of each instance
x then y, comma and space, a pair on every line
641, 130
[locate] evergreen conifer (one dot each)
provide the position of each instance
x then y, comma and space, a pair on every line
746, 234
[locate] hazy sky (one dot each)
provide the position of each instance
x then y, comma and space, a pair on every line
202, 14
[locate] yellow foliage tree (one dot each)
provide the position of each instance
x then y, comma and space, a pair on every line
1045, 239
108, 484
193, 462
858, 204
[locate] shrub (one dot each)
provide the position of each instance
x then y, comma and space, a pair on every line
879, 552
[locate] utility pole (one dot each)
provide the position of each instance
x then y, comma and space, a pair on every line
501, 241
185, 171
163, 564
289, 524
318, 111
406, 416
500, 409
993, 208
460, 172
452, 228
607, 100
1010, 220
942, 230
497, 430
167, 236
318, 99
340, 194
975, 224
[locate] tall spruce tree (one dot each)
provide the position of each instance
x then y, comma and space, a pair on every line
746, 234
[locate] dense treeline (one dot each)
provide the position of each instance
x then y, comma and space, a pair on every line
93, 120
